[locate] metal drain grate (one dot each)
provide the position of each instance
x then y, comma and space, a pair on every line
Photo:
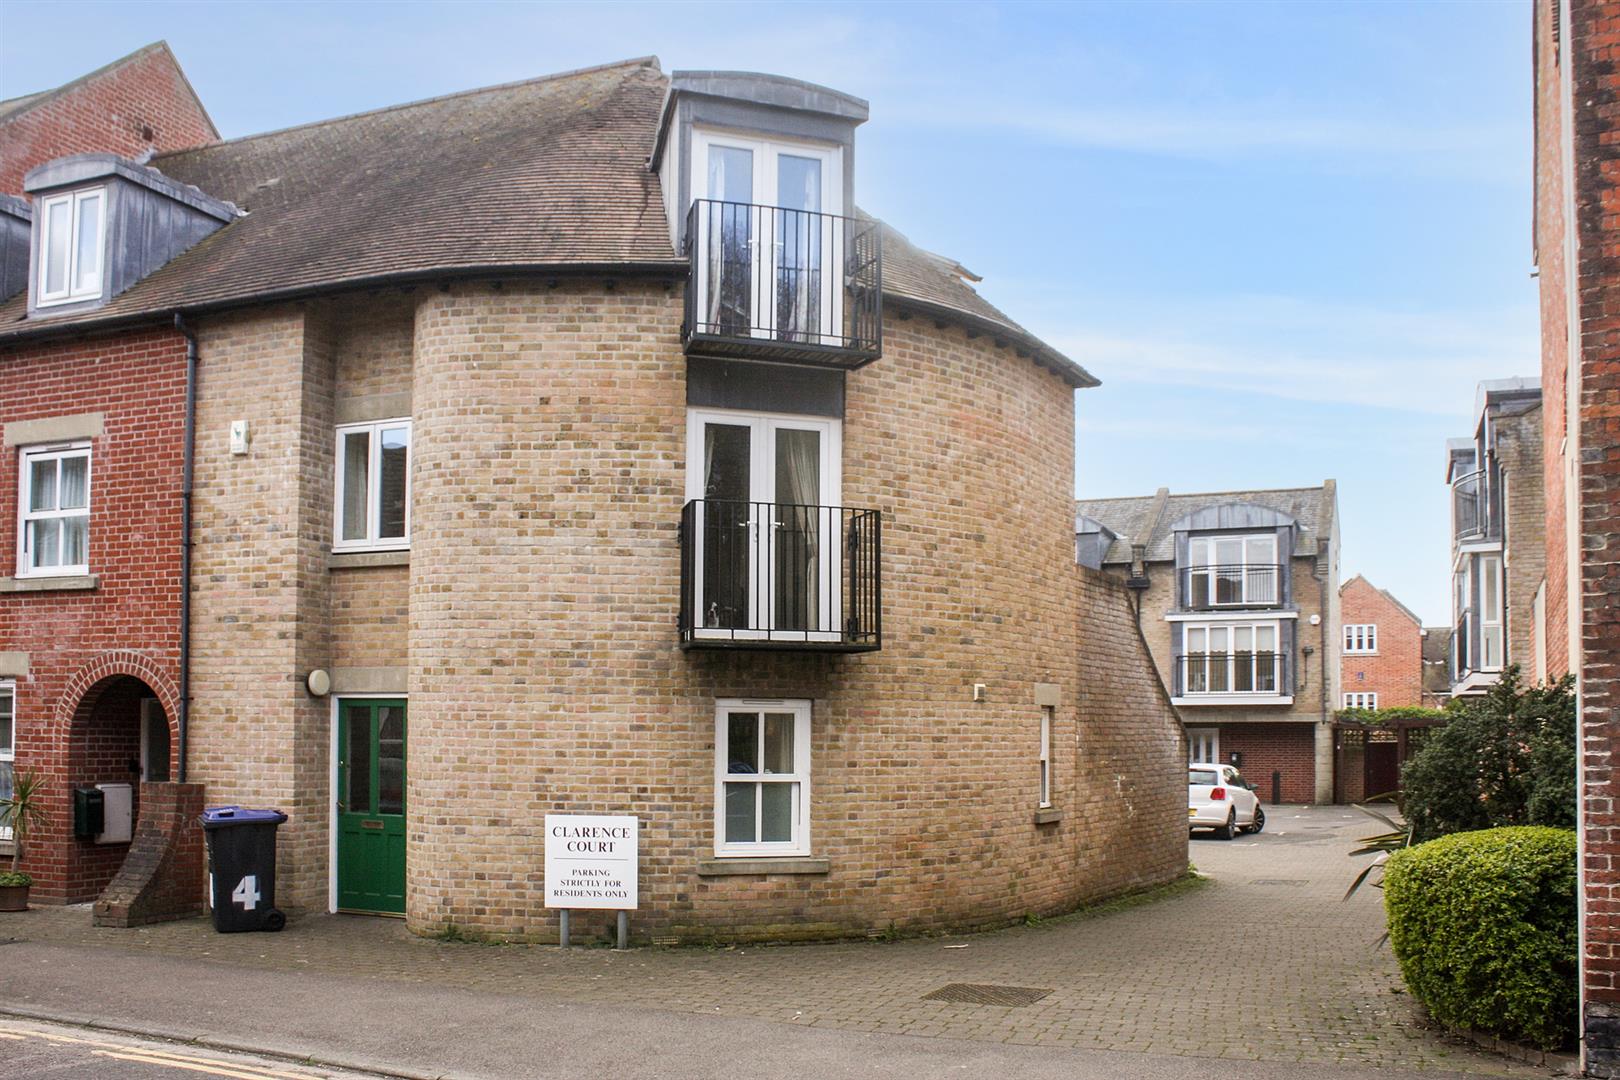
1279, 881
986, 994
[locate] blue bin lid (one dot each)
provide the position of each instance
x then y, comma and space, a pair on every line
218, 817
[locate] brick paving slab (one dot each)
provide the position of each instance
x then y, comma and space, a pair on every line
1310, 984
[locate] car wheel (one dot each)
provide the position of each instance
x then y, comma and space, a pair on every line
1229, 830
1259, 821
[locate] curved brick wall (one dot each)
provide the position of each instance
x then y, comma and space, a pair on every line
545, 675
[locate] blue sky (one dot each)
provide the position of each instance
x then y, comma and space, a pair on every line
1289, 238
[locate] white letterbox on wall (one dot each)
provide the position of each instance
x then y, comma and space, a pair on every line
118, 822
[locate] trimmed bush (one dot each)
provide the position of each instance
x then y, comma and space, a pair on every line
1483, 924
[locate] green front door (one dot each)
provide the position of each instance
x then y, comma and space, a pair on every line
371, 806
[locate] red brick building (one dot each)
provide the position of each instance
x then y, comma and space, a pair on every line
1382, 662
1577, 175
136, 105
92, 435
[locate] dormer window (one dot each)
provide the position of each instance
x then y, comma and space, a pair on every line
1232, 571
72, 233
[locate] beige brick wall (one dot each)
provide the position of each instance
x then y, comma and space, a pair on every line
1524, 552
540, 601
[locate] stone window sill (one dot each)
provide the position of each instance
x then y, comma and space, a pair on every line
735, 867
1048, 815
351, 560
66, 583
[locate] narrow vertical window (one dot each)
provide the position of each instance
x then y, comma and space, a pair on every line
373, 486
8, 743
72, 238
54, 533
1046, 756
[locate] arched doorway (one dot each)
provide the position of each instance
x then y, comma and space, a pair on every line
120, 735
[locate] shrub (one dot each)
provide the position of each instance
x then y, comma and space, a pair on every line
1483, 924
1507, 758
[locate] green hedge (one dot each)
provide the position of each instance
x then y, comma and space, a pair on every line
1483, 924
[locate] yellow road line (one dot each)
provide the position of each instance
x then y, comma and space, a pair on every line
166, 1055
195, 1065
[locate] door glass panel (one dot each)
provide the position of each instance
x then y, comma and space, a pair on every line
87, 269
357, 760
42, 484
356, 471
776, 813
390, 760
731, 239
740, 813
58, 227
779, 742
393, 470
742, 743
797, 528
727, 473
799, 244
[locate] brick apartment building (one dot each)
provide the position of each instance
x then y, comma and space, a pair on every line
1237, 596
1381, 667
1577, 81
635, 471
91, 433
1498, 538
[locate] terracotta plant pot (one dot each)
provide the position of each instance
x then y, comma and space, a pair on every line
14, 897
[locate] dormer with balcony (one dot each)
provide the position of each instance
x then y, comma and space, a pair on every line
101, 223
758, 182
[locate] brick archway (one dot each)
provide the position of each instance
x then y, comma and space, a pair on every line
77, 697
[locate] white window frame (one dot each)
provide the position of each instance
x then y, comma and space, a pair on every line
1275, 626
1256, 589
1361, 700
1491, 624
800, 844
763, 427
68, 294
8, 751
1361, 639
1203, 736
371, 541
25, 482
1046, 757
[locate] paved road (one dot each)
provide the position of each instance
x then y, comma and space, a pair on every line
35, 1049
1127, 991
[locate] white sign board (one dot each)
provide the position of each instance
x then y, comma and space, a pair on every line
591, 861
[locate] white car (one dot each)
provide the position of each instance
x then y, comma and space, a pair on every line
1219, 798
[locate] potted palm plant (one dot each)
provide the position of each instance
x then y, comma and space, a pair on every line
21, 811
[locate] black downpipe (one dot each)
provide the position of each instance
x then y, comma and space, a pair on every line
187, 468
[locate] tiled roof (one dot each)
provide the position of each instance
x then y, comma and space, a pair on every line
545, 174
1134, 519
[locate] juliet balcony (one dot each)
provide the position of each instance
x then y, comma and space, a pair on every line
1241, 585
1257, 674
794, 286
780, 576
1476, 507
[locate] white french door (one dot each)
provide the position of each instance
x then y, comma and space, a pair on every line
1203, 745
767, 525
771, 244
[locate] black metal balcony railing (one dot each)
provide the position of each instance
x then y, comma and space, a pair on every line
1243, 585
795, 285
1476, 511
1228, 673
780, 576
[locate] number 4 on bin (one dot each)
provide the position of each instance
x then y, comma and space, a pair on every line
246, 893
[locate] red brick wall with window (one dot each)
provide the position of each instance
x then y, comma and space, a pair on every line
1395, 671
129, 623
141, 103
1266, 748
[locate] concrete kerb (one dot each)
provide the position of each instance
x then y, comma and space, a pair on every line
203, 1039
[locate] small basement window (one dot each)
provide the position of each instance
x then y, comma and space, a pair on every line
71, 232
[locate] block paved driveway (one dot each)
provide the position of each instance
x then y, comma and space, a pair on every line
1311, 985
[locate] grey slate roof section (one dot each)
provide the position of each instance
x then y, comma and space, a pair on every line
547, 174
1137, 519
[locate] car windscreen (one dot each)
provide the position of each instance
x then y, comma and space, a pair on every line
1202, 776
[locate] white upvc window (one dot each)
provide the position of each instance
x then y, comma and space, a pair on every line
1232, 571
1361, 637
1203, 745
72, 228
8, 743
53, 534
1230, 658
1361, 701
373, 486
761, 777
1491, 647
1046, 756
